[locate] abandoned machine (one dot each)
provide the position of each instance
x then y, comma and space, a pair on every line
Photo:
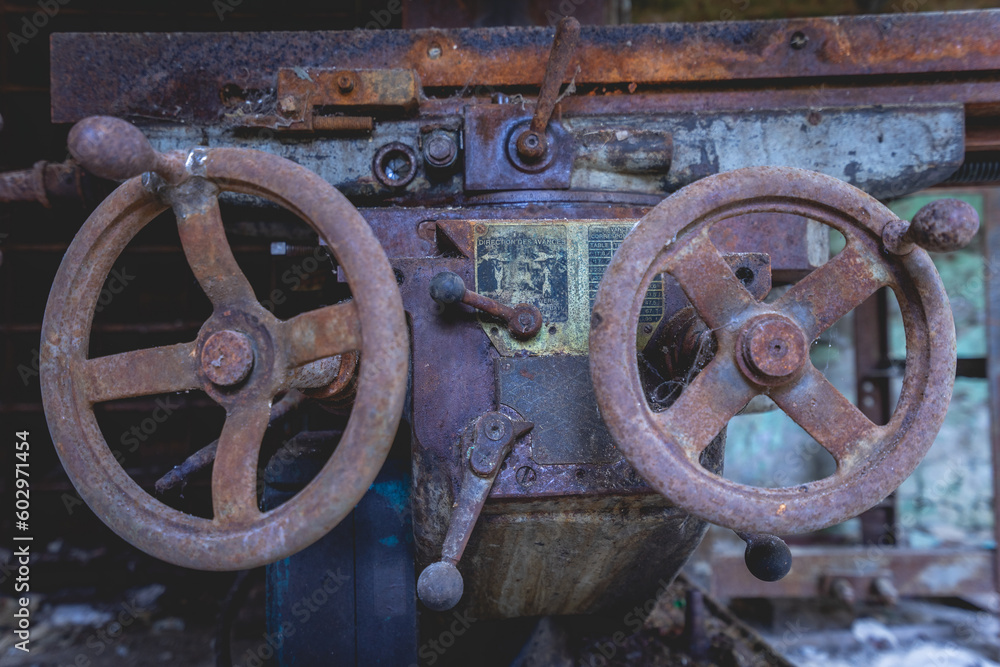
479, 303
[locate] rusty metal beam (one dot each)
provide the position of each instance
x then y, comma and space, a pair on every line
196, 66
930, 573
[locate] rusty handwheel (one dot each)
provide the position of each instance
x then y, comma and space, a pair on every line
763, 348
242, 357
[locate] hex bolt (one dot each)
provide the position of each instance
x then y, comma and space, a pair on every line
526, 476
523, 320
440, 149
943, 225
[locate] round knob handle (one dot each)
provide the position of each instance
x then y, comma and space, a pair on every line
447, 288
440, 586
944, 225
112, 148
767, 556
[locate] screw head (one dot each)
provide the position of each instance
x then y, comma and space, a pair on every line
227, 357
798, 40
494, 429
525, 476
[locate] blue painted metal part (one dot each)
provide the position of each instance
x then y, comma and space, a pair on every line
350, 598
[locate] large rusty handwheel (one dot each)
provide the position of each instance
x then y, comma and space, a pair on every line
763, 348
242, 357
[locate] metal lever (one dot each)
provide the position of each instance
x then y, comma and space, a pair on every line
440, 585
532, 143
767, 556
523, 320
941, 226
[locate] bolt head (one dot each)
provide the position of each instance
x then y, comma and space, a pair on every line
526, 322
227, 357
345, 83
772, 349
531, 146
440, 149
288, 104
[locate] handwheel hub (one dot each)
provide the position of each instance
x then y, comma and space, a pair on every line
227, 357
772, 350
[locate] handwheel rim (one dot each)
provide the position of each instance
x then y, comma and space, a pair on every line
662, 461
118, 500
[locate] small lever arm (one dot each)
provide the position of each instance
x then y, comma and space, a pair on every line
523, 320
532, 144
440, 585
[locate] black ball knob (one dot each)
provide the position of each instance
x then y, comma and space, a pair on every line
447, 287
767, 557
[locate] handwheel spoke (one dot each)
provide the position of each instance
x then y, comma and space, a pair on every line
711, 286
836, 423
705, 406
157, 370
833, 290
322, 333
203, 237
234, 475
